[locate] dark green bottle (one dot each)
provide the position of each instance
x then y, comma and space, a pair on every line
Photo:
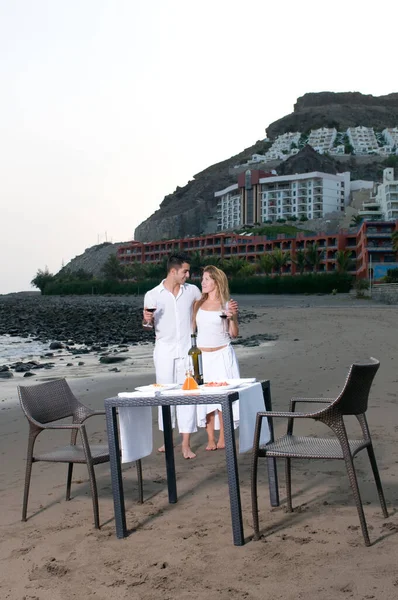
195, 355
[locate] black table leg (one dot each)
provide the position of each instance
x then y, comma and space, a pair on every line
271, 460
116, 471
169, 454
232, 471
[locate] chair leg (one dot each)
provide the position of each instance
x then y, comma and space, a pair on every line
94, 493
138, 465
69, 480
349, 463
28, 473
288, 476
256, 525
376, 475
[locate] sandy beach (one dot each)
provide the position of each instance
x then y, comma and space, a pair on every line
185, 551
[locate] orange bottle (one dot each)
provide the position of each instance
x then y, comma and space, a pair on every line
190, 383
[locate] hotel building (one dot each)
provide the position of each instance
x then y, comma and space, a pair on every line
387, 195
259, 197
370, 245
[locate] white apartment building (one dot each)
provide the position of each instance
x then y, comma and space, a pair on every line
310, 195
282, 146
229, 210
391, 137
362, 139
322, 139
387, 195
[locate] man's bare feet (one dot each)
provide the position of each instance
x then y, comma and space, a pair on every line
211, 446
162, 449
187, 453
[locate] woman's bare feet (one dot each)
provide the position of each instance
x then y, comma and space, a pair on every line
162, 449
221, 442
187, 452
211, 445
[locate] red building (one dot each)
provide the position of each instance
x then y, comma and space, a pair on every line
371, 243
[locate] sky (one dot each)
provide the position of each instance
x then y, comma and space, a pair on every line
106, 106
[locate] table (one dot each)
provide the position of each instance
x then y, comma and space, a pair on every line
225, 399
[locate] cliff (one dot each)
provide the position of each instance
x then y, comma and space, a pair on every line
339, 110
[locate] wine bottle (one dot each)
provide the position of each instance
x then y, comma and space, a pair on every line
195, 355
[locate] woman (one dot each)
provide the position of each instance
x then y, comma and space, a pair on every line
214, 339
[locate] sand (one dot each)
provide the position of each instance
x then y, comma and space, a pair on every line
185, 550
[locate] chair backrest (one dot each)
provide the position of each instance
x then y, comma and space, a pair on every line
353, 400
50, 401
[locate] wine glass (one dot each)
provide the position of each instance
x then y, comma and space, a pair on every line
151, 308
224, 317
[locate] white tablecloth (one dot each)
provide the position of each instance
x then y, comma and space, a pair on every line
136, 436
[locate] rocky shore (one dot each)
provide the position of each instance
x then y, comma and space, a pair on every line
105, 327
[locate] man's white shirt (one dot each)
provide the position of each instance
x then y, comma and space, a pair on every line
173, 317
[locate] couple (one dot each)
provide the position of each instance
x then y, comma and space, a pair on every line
181, 309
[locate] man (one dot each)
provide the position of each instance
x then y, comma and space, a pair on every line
174, 299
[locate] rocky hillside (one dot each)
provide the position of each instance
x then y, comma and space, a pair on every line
190, 210
342, 110
92, 259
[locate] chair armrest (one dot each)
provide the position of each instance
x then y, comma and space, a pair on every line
309, 400
288, 415
62, 426
95, 413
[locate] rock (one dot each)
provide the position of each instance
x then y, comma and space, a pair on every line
4, 368
6, 374
80, 363
56, 346
114, 370
28, 374
107, 360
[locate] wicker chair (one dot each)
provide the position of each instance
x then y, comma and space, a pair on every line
353, 400
51, 401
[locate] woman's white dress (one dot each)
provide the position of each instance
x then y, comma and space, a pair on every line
219, 365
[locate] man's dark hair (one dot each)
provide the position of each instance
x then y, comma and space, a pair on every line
175, 261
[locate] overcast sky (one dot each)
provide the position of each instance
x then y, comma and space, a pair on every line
107, 105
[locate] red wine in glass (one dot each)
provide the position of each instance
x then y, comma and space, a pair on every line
146, 323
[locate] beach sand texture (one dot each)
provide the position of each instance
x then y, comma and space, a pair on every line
185, 551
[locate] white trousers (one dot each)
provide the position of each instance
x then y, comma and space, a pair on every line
218, 365
172, 370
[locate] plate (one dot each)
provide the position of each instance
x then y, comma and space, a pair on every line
217, 388
156, 387
241, 381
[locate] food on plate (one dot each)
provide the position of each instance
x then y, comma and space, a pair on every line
216, 383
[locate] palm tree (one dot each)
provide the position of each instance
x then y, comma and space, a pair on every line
265, 264
344, 261
233, 265
313, 256
355, 220
279, 259
212, 259
196, 263
299, 260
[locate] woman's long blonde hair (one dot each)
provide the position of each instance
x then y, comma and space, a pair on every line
221, 281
